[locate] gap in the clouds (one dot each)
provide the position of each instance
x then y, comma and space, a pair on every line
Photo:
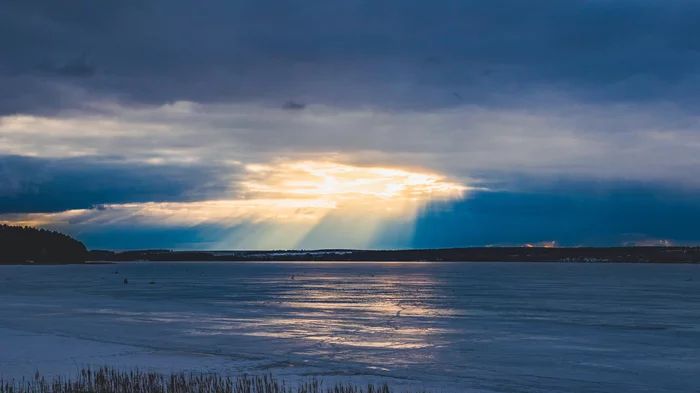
319, 204
583, 214
279, 205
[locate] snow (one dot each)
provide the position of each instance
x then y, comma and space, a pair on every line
444, 326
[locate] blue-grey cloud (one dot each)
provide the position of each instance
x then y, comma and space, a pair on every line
130, 237
543, 90
580, 213
293, 105
34, 185
388, 53
583, 213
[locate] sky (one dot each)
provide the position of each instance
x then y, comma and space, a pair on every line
260, 124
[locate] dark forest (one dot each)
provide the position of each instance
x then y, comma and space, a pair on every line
41, 246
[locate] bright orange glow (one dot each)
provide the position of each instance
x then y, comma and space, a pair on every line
340, 182
291, 198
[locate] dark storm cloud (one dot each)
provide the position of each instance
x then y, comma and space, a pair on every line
584, 213
78, 68
293, 106
29, 185
391, 53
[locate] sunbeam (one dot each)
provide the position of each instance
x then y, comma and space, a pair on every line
309, 204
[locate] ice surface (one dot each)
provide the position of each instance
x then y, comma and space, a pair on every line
449, 327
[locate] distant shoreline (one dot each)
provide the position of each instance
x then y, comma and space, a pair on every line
5, 263
676, 255
665, 255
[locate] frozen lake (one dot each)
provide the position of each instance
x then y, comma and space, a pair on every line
449, 327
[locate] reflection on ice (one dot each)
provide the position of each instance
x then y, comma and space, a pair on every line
490, 327
387, 312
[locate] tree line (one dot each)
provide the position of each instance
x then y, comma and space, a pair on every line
472, 254
26, 245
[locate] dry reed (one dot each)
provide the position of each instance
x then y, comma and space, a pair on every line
110, 380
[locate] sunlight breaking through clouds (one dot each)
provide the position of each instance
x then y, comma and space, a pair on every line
347, 183
290, 199
308, 125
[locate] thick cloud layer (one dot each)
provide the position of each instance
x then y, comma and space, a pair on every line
164, 104
387, 53
30, 185
643, 143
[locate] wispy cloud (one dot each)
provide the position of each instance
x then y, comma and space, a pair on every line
642, 142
